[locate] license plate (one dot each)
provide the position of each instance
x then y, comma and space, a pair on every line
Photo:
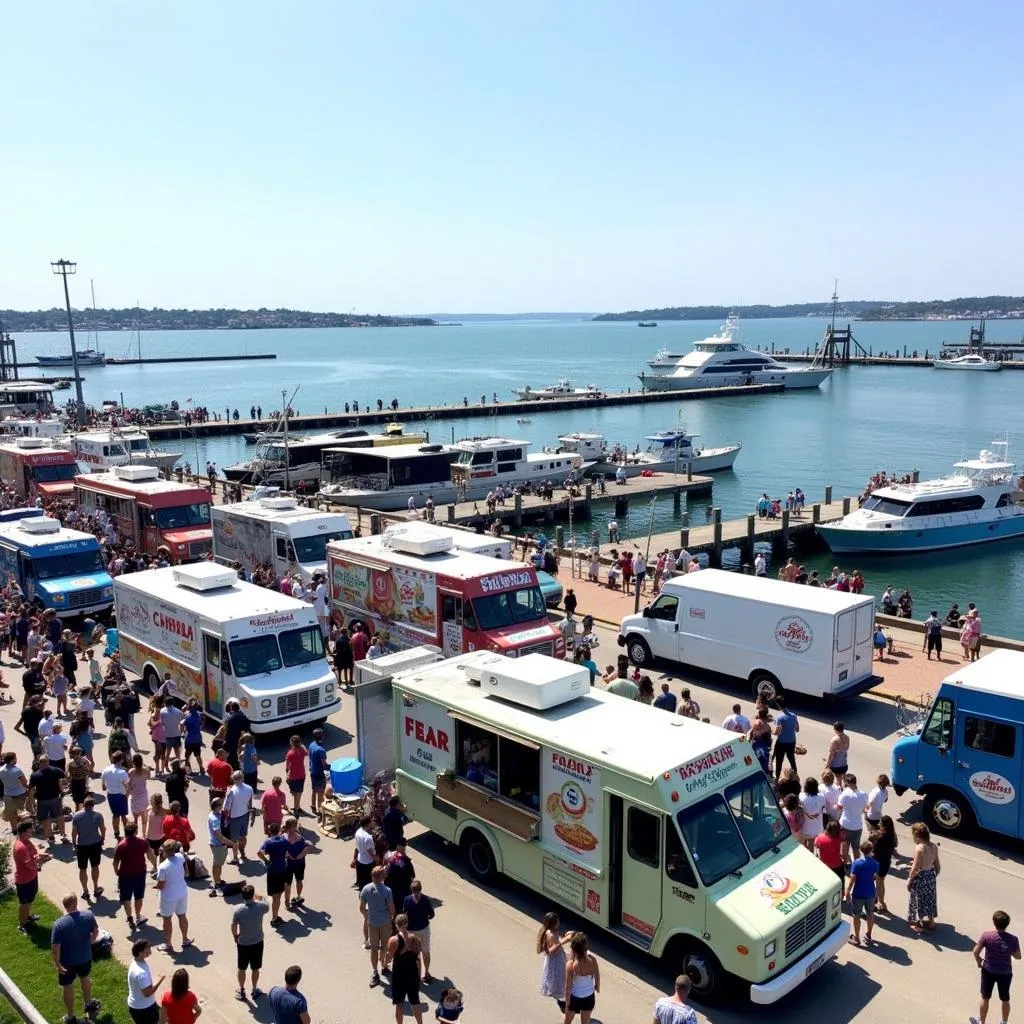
814, 965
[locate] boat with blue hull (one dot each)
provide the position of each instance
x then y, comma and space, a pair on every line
981, 501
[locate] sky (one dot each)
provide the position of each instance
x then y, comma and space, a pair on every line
474, 157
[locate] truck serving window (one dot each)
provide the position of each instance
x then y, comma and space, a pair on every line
758, 814
301, 646
314, 549
197, 514
499, 763
74, 563
52, 474
938, 730
710, 833
255, 655
998, 738
497, 610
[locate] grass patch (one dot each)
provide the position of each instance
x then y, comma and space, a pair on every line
27, 960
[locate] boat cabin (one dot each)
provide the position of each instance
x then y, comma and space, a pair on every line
381, 469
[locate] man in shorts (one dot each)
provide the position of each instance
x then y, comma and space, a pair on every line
88, 832
114, 780
419, 911
247, 931
238, 804
15, 789
317, 771
219, 769
171, 718
220, 844
1000, 949
170, 881
377, 906
71, 941
27, 861
44, 787
130, 858
860, 891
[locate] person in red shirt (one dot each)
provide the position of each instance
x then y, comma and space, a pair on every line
273, 804
130, 867
180, 1005
295, 771
177, 827
27, 861
219, 769
829, 848
360, 644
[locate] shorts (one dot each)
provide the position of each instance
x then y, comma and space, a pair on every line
1001, 982
250, 958
147, 1015
159, 748
405, 988
74, 971
174, 908
296, 786
27, 891
14, 805
118, 804
89, 855
276, 881
47, 810
155, 844
219, 854
61, 763
862, 907
252, 779
173, 744
853, 835
193, 748
578, 1004
377, 935
934, 643
238, 827
363, 873
883, 868
839, 769
297, 871
79, 790
217, 794
424, 936
318, 782
840, 873
131, 887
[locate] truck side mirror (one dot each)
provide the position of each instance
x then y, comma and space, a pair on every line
647, 613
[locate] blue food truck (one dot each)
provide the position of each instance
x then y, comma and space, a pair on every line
967, 760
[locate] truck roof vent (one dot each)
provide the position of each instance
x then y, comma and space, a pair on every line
534, 681
279, 503
136, 472
418, 539
32, 442
39, 524
203, 576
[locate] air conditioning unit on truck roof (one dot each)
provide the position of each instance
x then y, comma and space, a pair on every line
32, 442
534, 681
279, 503
39, 524
204, 576
136, 473
418, 539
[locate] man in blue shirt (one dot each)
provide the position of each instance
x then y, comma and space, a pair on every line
192, 727
666, 700
71, 941
274, 853
787, 725
288, 1002
860, 891
317, 770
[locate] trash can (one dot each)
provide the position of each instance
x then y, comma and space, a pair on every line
346, 775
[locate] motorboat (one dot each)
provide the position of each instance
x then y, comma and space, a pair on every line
647, 323
981, 501
85, 357
523, 419
666, 360
386, 478
668, 451
563, 389
972, 361
97, 451
33, 426
25, 397
481, 463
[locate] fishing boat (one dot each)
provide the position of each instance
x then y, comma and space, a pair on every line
668, 451
97, 451
981, 501
86, 357
563, 389
971, 362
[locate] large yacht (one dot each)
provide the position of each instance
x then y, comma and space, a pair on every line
386, 478
980, 502
666, 359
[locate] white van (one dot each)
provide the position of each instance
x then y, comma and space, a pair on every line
777, 636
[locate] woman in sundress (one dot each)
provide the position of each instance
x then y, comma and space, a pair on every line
551, 943
138, 792
923, 897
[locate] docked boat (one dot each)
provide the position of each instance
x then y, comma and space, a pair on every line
668, 451
981, 501
86, 357
666, 360
26, 398
386, 478
968, 362
481, 463
97, 451
32, 426
563, 389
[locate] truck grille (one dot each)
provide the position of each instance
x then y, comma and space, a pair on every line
800, 934
200, 548
81, 598
544, 647
301, 700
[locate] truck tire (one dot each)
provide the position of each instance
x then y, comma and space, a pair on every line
710, 981
638, 651
150, 681
762, 682
479, 857
948, 812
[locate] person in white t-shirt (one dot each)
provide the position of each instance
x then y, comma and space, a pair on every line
737, 721
812, 803
876, 801
170, 881
142, 989
760, 564
321, 604
852, 803
830, 791
114, 780
238, 804
55, 747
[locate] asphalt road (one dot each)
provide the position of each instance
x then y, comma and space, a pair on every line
483, 939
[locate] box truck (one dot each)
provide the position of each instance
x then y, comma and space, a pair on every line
276, 532
660, 829
777, 636
222, 638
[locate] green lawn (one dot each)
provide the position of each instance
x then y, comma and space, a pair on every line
26, 958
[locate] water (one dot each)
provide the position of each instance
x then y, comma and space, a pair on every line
862, 420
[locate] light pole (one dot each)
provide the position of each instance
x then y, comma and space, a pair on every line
65, 267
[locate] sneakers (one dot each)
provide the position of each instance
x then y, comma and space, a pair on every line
85, 894
257, 993
164, 948
276, 922
240, 995
131, 924
366, 945
213, 894
32, 918
429, 979
185, 943
97, 893
375, 980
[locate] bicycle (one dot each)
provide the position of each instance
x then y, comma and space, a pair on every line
910, 716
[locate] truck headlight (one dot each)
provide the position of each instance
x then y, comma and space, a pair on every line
329, 688
769, 949
108, 591
837, 899
266, 702
59, 598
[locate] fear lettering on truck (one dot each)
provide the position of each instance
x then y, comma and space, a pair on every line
426, 742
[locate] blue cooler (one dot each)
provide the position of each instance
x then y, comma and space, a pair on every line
346, 775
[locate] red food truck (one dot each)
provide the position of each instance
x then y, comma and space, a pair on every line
36, 469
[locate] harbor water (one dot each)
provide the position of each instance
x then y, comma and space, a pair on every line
864, 419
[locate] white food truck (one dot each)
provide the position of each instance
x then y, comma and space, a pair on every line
277, 531
777, 636
219, 638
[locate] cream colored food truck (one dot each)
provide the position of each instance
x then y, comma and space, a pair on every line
656, 827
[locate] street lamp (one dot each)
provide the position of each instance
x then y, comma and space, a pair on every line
65, 267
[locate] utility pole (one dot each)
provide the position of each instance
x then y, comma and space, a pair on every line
284, 413
65, 267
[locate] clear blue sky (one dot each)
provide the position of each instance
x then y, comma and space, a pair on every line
471, 157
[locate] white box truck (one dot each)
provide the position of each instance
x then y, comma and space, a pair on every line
278, 532
777, 636
219, 638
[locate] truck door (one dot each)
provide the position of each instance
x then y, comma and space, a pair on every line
987, 769
213, 674
637, 870
663, 625
451, 623
284, 553
842, 661
865, 628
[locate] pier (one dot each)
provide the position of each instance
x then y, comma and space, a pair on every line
114, 361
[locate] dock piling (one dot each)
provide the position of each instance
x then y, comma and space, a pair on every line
517, 515
375, 523
816, 513
588, 494
684, 538
689, 471
828, 495
716, 552
846, 506
785, 527
677, 496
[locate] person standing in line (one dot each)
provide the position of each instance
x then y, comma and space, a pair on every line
860, 891
551, 944
230, 732
71, 941
219, 772
837, 758
829, 849
392, 822
88, 834
399, 873
290, 1006
27, 862
273, 804
192, 728
787, 725
760, 736
377, 906
830, 791
582, 980
812, 803
851, 804
138, 790
403, 954
15, 789
130, 867
317, 772
219, 845
238, 808
179, 1005
297, 850
994, 954
885, 847
322, 604
933, 636
343, 660
249, 760
155, 829
274, 853
737, 721
176, 786
419, 912
922, 882
295, 772
44, 789
247, 931
173, 889
114, 780
673, 1009
142, 1007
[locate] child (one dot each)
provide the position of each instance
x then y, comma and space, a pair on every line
155, 829
794, 814
87, 704
830, 791
249, 760
860, 891
450, 1006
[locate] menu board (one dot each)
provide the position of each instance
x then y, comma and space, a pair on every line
571, 806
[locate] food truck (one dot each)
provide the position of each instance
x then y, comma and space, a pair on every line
967, 760
150, 511
656, 827
221, 638
415, 584
35, 469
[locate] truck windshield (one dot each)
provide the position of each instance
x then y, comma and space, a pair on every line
302, 646
197, 514
52, 474
761, 821
71, 563
314, 549
255, 655
510, 608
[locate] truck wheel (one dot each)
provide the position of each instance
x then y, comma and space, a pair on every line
150, 681
709, 979
479, 857
948, 812
638, 651
764, 684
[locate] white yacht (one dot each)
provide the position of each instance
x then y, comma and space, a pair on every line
971, 361
85, 357
563, 389
386, 478
99, 450
481, 463
668, 451
666, 360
